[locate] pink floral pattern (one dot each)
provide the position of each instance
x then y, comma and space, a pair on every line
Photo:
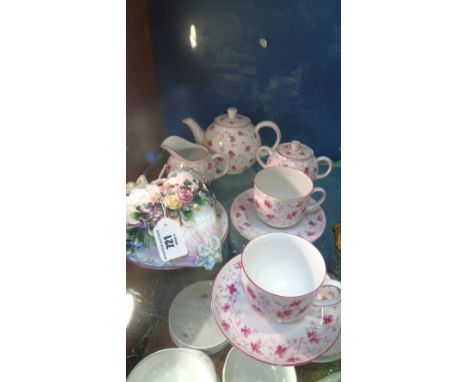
262, 339
279, 309
206, 167
279, 213
243, 211
303, 160
234, 141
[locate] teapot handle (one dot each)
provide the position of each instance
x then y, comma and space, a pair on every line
259, 156
224, 159
273, 126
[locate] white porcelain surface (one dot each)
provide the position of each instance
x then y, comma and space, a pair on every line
191, 323
240, 368
333, 354
295, 155
282, 196
282, 275
244, 217
185, 154
264, 340
335, 377
174, 365
233, 135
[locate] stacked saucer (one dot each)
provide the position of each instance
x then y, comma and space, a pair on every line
174, 365
238, 367
191, 323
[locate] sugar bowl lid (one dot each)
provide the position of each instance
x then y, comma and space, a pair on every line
232, 119
295, 150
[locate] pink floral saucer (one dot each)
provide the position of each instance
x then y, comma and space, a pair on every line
264, 340
244, 217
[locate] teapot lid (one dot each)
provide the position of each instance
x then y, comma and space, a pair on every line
295, 150
232, 119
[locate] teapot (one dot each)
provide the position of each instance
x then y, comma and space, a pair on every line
185, 154
295, 155
234, 136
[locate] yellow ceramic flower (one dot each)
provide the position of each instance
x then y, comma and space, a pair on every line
154, 197
172, 202
196, 207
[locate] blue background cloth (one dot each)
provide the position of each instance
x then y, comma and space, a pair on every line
294, 81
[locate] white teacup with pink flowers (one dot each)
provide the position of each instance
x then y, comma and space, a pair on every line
282, 196
282, 275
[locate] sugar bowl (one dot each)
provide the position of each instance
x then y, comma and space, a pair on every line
295, 155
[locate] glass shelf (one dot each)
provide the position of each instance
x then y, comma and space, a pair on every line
153, 290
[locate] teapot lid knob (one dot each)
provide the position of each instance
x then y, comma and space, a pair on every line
232, 112
295, 145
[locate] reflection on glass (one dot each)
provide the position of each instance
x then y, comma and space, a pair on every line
130, 305
193, 37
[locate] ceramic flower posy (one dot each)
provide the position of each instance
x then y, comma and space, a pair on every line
176, 201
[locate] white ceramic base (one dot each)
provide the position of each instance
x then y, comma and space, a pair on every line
238, 367
174, 365
246, 221
191, 324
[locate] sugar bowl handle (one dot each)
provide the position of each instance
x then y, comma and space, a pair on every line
329, 163
259, 155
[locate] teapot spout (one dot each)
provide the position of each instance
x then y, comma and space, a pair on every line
197, 131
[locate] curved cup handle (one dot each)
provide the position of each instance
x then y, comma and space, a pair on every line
271, 125
329, 163
225, 160
259, 157
333, 301
314, 205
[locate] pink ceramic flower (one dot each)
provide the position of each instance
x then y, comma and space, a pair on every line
184, 195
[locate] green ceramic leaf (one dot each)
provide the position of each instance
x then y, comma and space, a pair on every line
189, 214
198, 199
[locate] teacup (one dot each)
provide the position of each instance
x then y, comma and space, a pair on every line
282, 196
282, 275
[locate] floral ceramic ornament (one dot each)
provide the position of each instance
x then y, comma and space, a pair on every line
184, 198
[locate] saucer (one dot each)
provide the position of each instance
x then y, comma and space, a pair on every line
244, 217
191, 324
174, 365
333, 354
239, 367
266, 341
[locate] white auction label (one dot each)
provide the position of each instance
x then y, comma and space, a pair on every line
169, 240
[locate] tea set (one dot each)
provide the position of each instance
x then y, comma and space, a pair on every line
274, 303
